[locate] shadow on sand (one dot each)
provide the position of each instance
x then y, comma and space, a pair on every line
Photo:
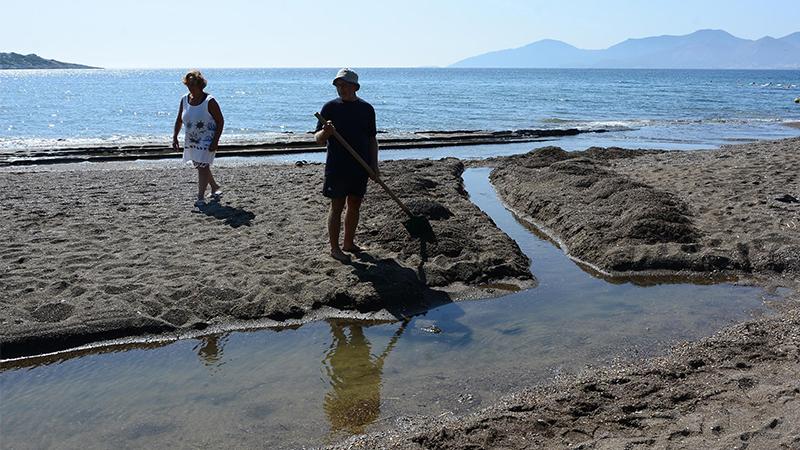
401, 290
235, 217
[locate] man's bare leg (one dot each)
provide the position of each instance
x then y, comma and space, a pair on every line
335, 226
351, 223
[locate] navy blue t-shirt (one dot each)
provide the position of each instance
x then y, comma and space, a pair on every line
355, 121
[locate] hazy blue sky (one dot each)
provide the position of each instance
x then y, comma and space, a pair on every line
357, 33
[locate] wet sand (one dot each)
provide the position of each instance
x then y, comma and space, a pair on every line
704, 214
93, 254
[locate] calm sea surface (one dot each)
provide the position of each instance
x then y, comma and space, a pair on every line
695, 108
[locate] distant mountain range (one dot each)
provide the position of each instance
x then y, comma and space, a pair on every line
704, 49
17, 61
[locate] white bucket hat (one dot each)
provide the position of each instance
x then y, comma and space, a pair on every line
347, 75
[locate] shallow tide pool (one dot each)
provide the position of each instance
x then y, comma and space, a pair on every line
324, 381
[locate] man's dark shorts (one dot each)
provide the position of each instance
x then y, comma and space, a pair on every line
338, 186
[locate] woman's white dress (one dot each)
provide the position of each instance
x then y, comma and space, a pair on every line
199, 128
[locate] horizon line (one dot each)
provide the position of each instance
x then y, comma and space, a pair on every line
449, 67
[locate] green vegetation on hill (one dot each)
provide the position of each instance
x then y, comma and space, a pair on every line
32, 61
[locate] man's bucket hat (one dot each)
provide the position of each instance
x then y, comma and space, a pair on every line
347, 75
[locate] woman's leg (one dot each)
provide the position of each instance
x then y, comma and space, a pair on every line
202, 181
212, 181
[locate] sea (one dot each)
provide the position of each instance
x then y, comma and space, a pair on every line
58, 109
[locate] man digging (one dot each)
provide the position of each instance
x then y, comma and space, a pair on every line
345, 180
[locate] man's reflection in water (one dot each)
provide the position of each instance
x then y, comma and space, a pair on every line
209, 350
355, 398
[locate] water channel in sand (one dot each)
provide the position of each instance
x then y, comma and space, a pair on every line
324, 381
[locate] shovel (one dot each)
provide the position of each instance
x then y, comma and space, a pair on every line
417, 226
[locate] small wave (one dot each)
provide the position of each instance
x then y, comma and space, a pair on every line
32, 147
725, 121
633, 124
588, 125
556, 120
773, 85
27, 145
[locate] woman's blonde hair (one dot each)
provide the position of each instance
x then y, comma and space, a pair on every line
194, 77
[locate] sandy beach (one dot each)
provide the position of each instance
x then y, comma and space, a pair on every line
97, 254
701, 214
92, 255
734, 210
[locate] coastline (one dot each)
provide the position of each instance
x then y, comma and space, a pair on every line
420, 139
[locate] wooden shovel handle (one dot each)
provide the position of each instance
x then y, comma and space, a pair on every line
366, 166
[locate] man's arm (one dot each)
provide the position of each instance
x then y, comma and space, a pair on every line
373, 155
373, 144
324, 133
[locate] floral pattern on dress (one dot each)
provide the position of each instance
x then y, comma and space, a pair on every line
200, 135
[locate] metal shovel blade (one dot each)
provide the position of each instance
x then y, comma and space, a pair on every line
420, 228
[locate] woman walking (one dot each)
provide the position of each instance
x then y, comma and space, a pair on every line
201, 115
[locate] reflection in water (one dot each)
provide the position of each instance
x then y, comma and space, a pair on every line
354, 400
58, 358
209, 350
